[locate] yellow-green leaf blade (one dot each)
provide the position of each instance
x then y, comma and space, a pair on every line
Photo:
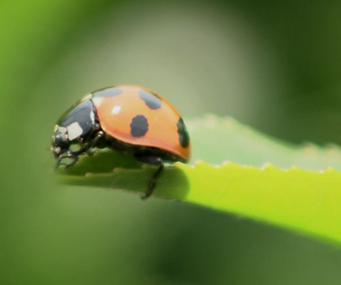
296, 187
297, 199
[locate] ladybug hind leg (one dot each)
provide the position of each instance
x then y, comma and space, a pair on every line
153, 160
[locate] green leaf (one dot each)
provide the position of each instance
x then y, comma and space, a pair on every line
298, 188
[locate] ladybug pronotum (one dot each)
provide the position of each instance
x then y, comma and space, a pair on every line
130, 119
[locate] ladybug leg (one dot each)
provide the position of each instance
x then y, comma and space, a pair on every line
152, 182
153, 160
59, 163
89, 149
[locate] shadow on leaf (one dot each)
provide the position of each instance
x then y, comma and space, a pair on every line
113, 170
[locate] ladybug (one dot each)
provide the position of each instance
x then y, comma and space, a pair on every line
130, 119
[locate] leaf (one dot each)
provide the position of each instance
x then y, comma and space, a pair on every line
298, 188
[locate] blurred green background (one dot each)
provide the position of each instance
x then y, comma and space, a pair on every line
270, 64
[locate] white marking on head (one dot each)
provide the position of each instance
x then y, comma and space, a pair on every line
61, 130
116, 110
97, 100
74, 131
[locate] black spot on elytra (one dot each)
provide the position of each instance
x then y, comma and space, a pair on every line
139, 126
152, 101
108, 92
183, 134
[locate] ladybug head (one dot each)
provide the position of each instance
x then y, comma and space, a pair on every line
73, 133
68, 143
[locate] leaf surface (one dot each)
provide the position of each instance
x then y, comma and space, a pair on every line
236, 170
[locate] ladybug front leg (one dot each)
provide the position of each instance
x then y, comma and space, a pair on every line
61, 160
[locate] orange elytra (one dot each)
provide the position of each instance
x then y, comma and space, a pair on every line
140, 117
